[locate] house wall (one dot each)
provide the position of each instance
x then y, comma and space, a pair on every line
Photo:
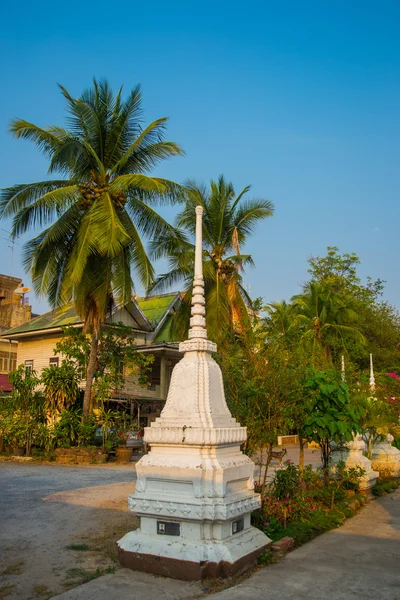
40, 350
8, 356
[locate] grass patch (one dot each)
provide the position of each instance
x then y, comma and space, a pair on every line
5, 590
14, 569
42, 591
105, 541
381, 488
266, 558
78, 547
78, 575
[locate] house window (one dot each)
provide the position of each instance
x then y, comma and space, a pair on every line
53, 362
28, 366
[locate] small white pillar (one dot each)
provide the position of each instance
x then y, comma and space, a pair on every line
195, 489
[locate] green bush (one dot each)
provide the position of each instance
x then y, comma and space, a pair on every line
381, 488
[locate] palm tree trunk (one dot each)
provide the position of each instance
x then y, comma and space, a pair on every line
87, 404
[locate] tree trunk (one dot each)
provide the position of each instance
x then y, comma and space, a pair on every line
87, 404
269, 458
369, 446
325, 450
301, 457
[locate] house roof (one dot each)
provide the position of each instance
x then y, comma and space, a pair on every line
60, 317
165, 333
154, 309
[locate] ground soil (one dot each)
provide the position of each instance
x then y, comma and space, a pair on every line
59, 525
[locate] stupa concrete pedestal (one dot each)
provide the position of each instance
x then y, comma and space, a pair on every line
352, 455
195, 491
386, 458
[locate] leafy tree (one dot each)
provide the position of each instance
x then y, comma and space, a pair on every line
262, 387
378, 321
228, 220
61, 389
331, 417
117, 355
339, 272
94, 218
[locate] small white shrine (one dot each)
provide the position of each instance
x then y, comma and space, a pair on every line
386, 458
195, 489
352, 453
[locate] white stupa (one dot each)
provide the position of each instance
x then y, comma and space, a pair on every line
195, 490
352, 453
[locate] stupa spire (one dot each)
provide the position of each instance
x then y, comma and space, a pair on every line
371, 374
198, 321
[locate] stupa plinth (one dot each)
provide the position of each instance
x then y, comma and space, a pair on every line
195, 490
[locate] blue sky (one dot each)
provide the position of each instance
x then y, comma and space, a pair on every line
299, 99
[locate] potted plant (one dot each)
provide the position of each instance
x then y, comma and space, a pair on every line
101, 455
122, 453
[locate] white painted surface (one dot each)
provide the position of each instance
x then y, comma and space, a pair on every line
195, 473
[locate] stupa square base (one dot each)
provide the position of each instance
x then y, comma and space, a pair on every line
191, 560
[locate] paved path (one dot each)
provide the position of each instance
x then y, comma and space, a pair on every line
359, 561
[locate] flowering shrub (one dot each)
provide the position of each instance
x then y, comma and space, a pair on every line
289, 498
301, 501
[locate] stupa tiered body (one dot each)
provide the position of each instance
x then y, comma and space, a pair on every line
195, 490
386, 458
352, 456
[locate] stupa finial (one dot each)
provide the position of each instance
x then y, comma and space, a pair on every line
371, 374
198, 321
343, 369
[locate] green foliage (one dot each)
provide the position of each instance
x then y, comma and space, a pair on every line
381, 488
396, 443
347, 478
377, 321
67, 429
116, 355
299, 505
330, 414
339, 272
61, 388
22, 412
325, 320
228, 220
94, 219
262, 387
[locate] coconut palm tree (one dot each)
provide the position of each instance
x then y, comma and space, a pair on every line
227, 223
96, 215
280, 320
325, 319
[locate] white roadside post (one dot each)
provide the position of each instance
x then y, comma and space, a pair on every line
195, 489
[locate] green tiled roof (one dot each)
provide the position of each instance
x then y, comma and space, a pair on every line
59, 317
165, 334
155, 307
